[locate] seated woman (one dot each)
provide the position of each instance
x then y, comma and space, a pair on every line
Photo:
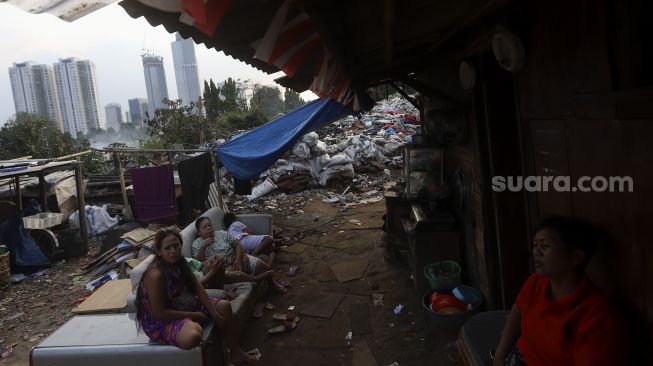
559, 318
172, 306
253, 244
241, 267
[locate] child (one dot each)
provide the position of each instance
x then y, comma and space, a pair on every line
253, 244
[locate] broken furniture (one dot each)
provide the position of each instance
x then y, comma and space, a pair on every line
119, 334
41, 169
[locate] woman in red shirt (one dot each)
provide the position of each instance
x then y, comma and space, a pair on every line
559, 318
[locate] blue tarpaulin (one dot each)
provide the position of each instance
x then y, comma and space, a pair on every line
252, 153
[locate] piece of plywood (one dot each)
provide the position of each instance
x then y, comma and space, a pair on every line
349, 271
325, 306
111, 297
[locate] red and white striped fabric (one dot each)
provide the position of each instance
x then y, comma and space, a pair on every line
205, 15
287, 44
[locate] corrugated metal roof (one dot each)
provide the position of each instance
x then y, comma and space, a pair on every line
67, 10
234, 35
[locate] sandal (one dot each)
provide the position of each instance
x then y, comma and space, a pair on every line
285, 327
286, 317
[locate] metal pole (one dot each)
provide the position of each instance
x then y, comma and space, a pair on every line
146, 151
81, 207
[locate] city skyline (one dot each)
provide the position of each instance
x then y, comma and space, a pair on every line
114, 42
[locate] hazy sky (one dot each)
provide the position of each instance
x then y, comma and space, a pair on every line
113, 41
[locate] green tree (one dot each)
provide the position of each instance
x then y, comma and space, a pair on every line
291, 100
35, 135
180, 124
212, 102
242, 120
267, 99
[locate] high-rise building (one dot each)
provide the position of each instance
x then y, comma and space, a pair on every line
155, 82
33, 90
114, 116
90, 96
137, 109
78, 97
188, 81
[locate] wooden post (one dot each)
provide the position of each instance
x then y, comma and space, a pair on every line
43, 190
19, 199
81, 206
123, 188
216, 174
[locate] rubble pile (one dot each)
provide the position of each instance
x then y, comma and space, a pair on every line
340, 153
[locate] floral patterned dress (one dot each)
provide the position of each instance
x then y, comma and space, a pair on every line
165, 331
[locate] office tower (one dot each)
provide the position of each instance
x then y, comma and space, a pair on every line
188, 81
127, 117
114, 116
137, 109
79, 104
33, 90
155, 82
90, 96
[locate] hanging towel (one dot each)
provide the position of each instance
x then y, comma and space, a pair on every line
154, 192
195, 174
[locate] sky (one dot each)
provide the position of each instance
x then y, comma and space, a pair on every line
114, 42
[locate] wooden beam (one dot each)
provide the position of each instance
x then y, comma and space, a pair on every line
81, 207
430, 91
388, 29
412, 100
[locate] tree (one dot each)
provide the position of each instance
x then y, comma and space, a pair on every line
291, 100
212, 103
180, 124
268, 100
35, 135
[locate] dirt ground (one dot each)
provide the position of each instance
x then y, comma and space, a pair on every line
31, 310
330, 238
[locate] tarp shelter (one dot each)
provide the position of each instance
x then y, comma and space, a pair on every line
251, 153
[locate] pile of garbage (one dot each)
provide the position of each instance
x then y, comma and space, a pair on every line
334, 155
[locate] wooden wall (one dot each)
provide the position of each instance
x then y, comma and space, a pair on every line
586, 107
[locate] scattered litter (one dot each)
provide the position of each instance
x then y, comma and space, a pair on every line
254, 353
394, 364
269, 306
292, 270
398, 309
348, 338
7, 352
377, 299
15, 316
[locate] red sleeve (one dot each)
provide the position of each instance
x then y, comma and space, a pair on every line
601, 338
527, 294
